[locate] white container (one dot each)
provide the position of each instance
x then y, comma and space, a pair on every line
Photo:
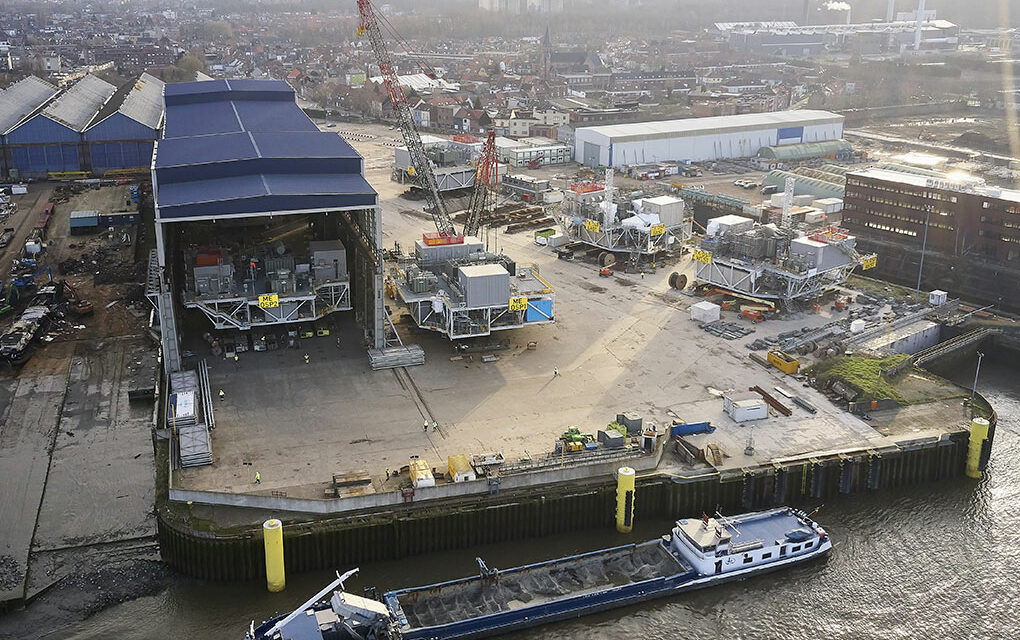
744, 406
937, 297
19, 190
857, 326
705, 311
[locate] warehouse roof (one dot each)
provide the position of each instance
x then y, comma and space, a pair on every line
22, 99
263, 158
141, 100
228, 106
79, 104
419, 82
804, 150
144, 103
715, 124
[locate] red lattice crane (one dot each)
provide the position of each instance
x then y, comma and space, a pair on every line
486, 179
422, 172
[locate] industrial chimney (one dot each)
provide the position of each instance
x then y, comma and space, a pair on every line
920, 24
890, 12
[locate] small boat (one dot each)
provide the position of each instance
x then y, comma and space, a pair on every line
698, 553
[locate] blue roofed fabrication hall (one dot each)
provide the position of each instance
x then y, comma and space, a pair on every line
262, 221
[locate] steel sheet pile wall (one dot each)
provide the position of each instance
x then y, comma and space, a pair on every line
425, 528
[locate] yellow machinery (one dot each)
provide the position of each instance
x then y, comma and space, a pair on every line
783, 361
272, 534
978, 436
421, 473
625, 499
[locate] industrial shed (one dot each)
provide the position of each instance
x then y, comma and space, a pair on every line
19, 101
91, 128
124, 131
838, 149
803, 185
51, 140
702, 139
239, 162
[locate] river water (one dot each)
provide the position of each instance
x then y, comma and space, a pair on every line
939, 562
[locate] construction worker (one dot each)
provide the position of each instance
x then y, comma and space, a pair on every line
556, 372
338, 342
435, 426
387, 474
425, 426
222, 395
258, 478
306, 358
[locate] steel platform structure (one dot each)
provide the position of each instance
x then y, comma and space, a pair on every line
445, 310
245, 312
588, 215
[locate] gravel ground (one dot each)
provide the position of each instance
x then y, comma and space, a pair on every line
83, 594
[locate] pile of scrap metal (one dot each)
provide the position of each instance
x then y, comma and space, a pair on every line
47, 303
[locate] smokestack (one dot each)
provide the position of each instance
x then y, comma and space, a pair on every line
807, 13
920, 23
890, 12
848, 12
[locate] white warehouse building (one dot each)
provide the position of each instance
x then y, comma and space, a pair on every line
701, 139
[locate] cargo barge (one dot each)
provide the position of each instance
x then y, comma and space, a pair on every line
696, 554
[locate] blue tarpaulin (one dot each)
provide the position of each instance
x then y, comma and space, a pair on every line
691, 428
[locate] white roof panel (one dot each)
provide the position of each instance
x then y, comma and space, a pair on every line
21, 99
713, 124
79, 104
144, 103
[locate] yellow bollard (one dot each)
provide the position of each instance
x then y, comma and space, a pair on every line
272, 534
624, 499
978, 435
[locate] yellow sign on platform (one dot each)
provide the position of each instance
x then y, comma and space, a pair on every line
701, 255
657, 230
592, 225
270, 301
519, 304
869, 262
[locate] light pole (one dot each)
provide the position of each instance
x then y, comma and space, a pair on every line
924, 243
977, 371
248, 473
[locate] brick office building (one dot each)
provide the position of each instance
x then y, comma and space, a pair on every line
973, 231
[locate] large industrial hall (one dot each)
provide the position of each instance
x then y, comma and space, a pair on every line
90, 128
701, 139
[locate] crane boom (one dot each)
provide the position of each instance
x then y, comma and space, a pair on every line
486, 176
423, 171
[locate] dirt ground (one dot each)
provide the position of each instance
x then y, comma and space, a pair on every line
76, 456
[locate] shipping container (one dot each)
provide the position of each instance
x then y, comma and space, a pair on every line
484, 285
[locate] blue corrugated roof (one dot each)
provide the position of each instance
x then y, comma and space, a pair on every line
243, 147
262, 194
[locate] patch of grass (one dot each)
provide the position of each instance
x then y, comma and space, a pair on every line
874, 287
862, 373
